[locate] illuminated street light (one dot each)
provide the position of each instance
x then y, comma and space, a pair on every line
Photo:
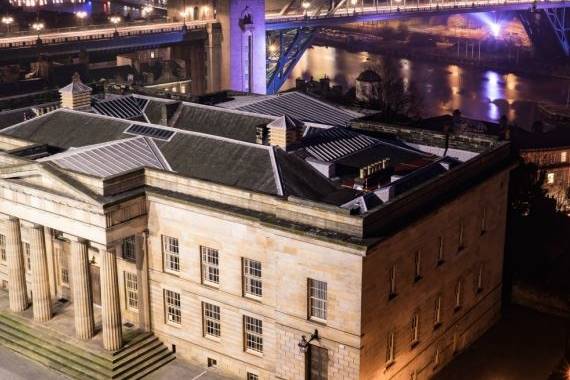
38, 27
115, 20
185, 13
7, 20
81, 15
306, 5
495, 29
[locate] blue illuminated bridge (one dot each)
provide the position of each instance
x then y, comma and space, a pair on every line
293, 29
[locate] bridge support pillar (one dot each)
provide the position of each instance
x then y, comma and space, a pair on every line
243, 58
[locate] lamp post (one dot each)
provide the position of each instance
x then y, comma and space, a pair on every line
81, 15
115, 20
306, 5
185, 13
38, 27
7, 20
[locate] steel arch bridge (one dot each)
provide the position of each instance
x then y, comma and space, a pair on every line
295, 31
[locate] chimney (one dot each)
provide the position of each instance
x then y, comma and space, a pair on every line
76, 95
284, 131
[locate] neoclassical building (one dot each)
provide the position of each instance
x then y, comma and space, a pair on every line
263, 246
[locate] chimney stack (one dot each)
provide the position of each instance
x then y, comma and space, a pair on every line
284, 131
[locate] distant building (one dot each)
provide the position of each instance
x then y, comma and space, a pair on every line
368, 87
324, 253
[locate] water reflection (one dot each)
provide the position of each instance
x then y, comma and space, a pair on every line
483, 94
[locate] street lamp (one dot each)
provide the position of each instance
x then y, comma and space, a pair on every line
81, 15
38, 27
185, 13
304, 343
7, 20
115, 20
306, 5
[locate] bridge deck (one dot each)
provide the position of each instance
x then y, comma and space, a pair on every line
393, 9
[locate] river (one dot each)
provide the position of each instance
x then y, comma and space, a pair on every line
480, 94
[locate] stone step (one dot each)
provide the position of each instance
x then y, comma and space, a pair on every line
45, 358
141, 356
49, 341
52, 351
142, 371
142, 361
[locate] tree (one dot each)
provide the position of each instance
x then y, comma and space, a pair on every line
399, 98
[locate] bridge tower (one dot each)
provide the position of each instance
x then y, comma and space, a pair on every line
243, 57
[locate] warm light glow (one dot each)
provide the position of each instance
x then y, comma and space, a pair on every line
272, 48
306, 5
147, 10
7, 20
81, 15
353, 2
495, 29
185, 12
115, 19
38, 26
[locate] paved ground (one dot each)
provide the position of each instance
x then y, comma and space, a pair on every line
180, 369
524, 345
16, 367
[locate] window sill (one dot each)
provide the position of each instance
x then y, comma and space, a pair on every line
253, 297
213, 338
173, 324
211, 285
318, 320
255, 353
172, 273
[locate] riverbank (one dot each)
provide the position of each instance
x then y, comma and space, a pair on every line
357, 42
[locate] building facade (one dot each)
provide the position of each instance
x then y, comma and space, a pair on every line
260, 285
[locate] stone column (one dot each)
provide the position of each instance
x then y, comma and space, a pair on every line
40, 276
143, 281
110, 302
17, 291
82, 296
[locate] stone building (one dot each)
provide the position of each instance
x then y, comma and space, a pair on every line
241, 255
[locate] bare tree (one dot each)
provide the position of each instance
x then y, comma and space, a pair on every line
399, 98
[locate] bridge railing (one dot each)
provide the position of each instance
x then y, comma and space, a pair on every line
102, 32
411, 6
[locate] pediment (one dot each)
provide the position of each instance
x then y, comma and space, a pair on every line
48, 178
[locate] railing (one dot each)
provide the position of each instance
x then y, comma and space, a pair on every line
393, 7
96, 33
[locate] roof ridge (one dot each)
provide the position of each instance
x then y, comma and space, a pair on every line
354, 113
276, 172
158, 153
228, 110
27, 121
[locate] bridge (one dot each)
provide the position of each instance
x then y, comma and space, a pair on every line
294, 30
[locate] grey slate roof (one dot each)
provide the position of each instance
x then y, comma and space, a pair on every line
212, 158
107, 159
123, 107
216, 121
298, 106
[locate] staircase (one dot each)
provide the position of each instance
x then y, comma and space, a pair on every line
142, 354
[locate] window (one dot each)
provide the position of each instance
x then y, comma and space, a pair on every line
392, 284
458, 294
461, 237
252, 285
563, 157
391, 348
211, 319
440, 251
318, 363
129, 248
131, 291
212, 363
3, 247
436, 356
415, 325
437, 312
65, 276
479, 279
172, 304
27, 255
171, 253
252, 376
253, 334
550, 178
483, 220
317, 300
417, 265
210, 266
